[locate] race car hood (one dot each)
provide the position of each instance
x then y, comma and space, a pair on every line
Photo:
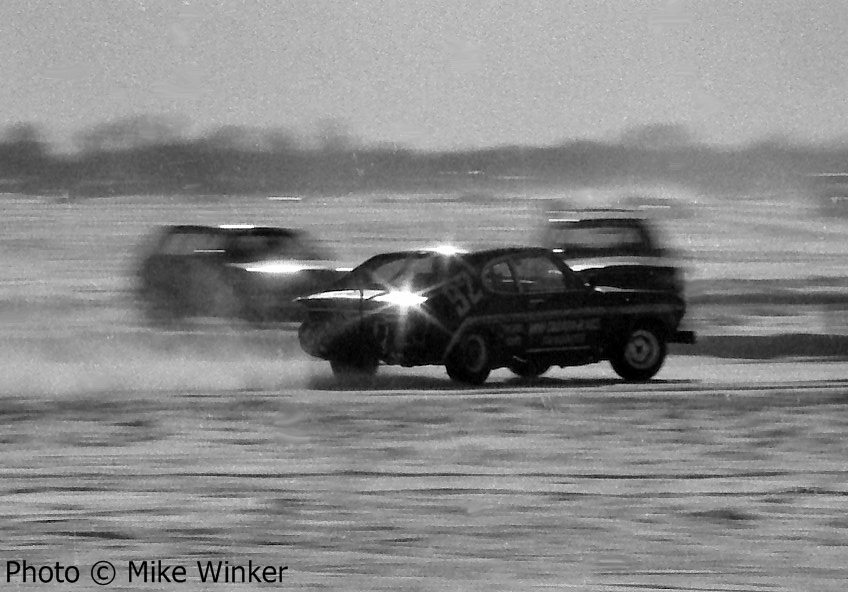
340, 296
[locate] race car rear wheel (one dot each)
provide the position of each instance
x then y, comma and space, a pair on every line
528, 368
640, 355
470, 360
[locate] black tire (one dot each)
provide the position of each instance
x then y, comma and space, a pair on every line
641, 354
470, 360
528, 368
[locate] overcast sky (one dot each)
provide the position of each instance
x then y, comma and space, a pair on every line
434, 73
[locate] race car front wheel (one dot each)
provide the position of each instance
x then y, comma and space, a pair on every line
470, 360
640, 355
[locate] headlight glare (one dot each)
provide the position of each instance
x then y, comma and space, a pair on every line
401, 298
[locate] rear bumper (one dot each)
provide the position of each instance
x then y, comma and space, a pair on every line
687, 337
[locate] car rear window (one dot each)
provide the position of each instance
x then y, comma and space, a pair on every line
257, 247
188, 243
599, 238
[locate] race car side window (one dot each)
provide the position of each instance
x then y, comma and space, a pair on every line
498, 278
573, 282
538, 274
188, 243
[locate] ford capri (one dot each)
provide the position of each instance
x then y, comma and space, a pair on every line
520, 308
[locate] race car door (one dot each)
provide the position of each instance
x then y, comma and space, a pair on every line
556, 303
503, 306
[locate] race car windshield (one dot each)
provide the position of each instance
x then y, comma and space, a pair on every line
397, 271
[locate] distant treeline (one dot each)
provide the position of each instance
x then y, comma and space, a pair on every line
129, 161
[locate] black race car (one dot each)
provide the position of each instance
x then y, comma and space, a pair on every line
230, 271
614, 247
519, 307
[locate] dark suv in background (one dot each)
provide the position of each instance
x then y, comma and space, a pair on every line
614, 247
230, 271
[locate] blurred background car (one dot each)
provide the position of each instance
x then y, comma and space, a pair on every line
831, 191
230, 271
614, 247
